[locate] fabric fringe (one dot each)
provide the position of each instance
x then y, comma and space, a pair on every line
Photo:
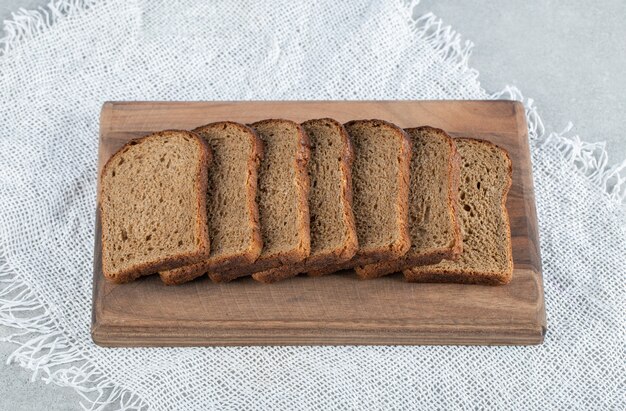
447, 43
28, 24
591, 159
48, 353
55, 358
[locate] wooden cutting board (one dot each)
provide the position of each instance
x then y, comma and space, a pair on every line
335, 309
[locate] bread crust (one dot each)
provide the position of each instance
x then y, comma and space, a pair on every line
189, 272
200, 228
403, 242
265, 262
435, 255
350, 245
457, 249
464, 276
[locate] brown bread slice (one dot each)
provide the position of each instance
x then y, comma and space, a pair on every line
282, 197
433, 194
380, 177
485, 179
333, 234
153, 205
233, 217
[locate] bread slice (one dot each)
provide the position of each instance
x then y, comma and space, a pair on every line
333, 234
233, 217
153, 205
380, 177
433, 194
282, 197
485, 179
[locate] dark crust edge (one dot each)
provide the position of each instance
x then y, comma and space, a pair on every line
201, 227
401, 245
433, 256
459, 277
303, 249
187, 273
350, 245
454, 198
432, 274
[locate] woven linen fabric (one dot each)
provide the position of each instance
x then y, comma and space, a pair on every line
59, 64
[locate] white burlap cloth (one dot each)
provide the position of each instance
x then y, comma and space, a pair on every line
57, 67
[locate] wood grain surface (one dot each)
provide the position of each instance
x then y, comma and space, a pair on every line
335, 309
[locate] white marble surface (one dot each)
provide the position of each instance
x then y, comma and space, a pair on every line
568, 56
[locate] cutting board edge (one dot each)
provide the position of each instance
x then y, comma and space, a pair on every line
105, 336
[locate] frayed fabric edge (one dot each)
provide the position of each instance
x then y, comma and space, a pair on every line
28, 24
446, 42
54, 358
45, 349
590, 159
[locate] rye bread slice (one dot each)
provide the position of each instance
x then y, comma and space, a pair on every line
485, 179
282, 198
153, 205
233, 218
380, 183
333, 233
433, 195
